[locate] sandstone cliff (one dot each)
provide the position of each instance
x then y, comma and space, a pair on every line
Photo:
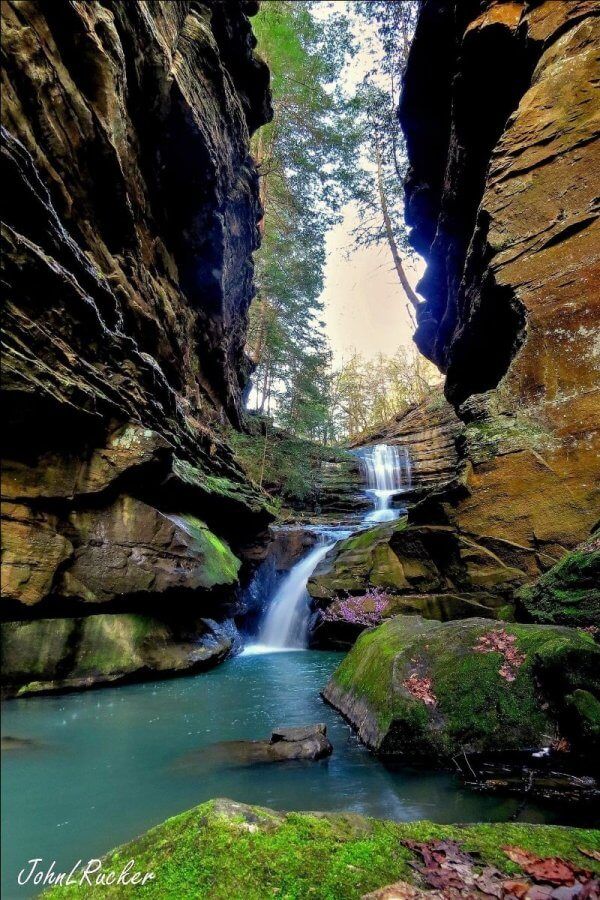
131, 213
430, 432
502, 136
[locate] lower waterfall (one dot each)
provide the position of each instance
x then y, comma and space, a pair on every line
285, 623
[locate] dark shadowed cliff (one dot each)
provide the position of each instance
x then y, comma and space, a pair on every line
130, 218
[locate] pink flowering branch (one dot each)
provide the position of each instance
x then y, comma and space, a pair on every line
366, 610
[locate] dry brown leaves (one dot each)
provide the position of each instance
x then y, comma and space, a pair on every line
449, 873
499, 641
419, 687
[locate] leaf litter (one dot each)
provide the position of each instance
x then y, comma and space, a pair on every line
447, 872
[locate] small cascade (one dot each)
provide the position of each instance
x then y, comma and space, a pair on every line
285, 624
388, 472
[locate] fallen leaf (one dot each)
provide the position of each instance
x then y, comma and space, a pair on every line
499, 641
516, 889
551, 870
419, 687
401, 890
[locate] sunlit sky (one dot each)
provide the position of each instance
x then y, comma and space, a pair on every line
365, 307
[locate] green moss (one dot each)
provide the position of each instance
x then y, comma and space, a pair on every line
218, 486
221, 850
219, 564
498, 432
569, 593
477, 707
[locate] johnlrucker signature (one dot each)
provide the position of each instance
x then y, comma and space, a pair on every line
91, 873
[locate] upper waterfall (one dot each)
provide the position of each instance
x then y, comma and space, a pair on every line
388, 472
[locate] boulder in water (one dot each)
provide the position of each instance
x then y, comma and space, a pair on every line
16, 743
308, 742
421, 690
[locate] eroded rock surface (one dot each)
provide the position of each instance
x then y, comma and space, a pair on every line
130, 218
402, 569
47, 655
502, 200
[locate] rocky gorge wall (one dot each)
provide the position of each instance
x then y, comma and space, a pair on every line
131, 211
501, 196
502, 136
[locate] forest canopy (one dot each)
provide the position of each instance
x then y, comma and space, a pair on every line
327, 146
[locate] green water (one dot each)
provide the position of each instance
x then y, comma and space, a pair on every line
111, 763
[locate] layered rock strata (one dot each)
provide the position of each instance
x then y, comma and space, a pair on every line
502, 200
131, 215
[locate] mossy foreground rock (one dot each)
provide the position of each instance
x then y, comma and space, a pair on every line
421, 689
227, 851
569, 593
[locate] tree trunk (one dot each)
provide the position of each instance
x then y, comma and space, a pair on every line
389, 232
265, 383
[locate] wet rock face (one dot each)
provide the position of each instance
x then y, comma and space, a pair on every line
501, 199
66, 654
401, 569
429, 431
131, 213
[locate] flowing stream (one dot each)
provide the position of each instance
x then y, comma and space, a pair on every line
105, 765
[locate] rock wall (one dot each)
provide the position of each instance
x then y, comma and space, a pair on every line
502, 135
430, 431
131, 210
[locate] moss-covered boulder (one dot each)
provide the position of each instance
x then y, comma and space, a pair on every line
569, 593
47, 655
364, 560
222, 850
418, 689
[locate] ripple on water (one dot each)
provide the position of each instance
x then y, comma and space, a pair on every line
106, 764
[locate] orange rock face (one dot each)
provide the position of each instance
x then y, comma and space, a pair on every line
504, 206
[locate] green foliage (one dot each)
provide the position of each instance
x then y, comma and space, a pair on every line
569, 593
304, 158
379, 192
222, 850
366, 394
286, 466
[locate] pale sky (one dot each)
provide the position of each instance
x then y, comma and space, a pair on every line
365, 306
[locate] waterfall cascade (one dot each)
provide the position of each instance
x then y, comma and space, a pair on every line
285, 623
388, 472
